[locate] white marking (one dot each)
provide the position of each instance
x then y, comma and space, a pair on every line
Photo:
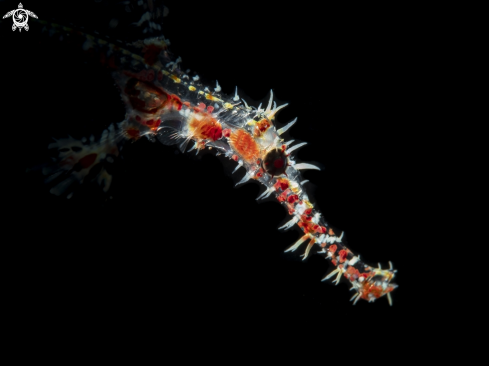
290, 223
338, 277
286, 127
245, 179
240, 164
266, 193
288, 151
246, 104
276, 109
304, 166
298, 243
288, 142
268, 110
354, 260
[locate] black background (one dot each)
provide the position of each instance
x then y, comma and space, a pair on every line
177, 235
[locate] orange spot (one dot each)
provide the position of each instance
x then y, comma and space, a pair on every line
261, 127
282, 184
132, 133
211, 97
353, 272
283, 196
207, 128
175, 78
245, 145
145, 97
175, 102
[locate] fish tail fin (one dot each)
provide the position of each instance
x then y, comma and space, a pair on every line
77, 162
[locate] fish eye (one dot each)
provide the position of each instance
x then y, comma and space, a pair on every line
275, 162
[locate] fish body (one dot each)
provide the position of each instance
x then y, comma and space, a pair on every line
164, 103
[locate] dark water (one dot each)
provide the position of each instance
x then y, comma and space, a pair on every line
176, 232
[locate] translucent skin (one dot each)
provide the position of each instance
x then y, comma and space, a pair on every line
203, 126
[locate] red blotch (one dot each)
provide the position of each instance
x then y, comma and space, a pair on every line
293, 198
150, 75
177, 102
343, 254
87, 160
226, 132
150, 53
278, 163
111, 63
211, 130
